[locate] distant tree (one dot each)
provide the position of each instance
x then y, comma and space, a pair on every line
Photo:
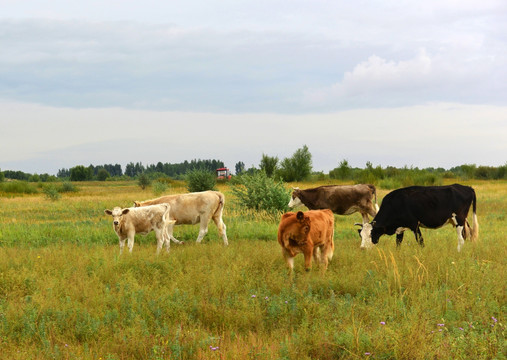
239, 167
80, 173
143, 181
63, 173
298, 167
2, 176
269, 164
200, 180
342, 172
103, 174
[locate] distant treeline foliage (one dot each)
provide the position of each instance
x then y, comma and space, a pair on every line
389, 177
133, 170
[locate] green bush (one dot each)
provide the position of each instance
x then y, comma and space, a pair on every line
200, 180
143, 181
159, 187
67, 186
18, 187
260, 192
52, 193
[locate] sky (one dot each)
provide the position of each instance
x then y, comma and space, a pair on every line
396, 83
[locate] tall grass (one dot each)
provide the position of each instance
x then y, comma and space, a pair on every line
65, 293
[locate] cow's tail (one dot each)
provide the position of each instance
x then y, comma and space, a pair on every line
475, 229
166, 217
374, 193
221, 204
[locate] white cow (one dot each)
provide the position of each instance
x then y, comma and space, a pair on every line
131, 221
193, 208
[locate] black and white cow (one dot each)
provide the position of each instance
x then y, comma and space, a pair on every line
422, 206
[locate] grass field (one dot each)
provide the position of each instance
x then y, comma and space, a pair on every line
65, 293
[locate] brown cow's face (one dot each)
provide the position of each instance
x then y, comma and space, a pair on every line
300, 229
116, 213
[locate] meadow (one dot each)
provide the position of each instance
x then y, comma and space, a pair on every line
65, 293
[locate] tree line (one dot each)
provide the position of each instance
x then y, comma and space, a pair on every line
297, 167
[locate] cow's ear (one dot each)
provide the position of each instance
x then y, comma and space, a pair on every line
108, 212
125, 211
136, 204
300, 216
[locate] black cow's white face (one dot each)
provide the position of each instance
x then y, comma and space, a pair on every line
365, 233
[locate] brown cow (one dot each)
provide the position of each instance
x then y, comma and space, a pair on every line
131, 221
340, 199
193, 208
310, 233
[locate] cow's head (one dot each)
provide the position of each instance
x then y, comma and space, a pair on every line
299, 230
294, 200
116, 213
369, 234
365, 233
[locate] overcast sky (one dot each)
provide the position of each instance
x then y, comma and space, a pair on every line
416, 83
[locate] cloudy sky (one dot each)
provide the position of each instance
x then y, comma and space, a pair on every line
416, 83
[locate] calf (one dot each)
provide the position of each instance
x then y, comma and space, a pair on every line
418, 207
341, 199
131, 221
310, 233
193, 208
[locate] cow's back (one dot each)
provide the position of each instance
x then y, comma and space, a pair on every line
188, 208
340, 199
322, 225
432, 206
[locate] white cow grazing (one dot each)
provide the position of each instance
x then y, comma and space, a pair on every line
131, 221
193, 208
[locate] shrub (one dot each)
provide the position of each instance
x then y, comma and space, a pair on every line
18, 187
159, 187
103, 174
143, 181
52, 193
200, 180
260, 192
67, 186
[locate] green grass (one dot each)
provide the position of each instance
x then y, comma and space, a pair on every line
65, 293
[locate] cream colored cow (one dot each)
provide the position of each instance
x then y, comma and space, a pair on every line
193, 208
131, 221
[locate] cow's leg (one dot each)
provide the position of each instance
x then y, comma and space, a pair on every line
317, 254
203, 230
130, 243
169, 232
399, 235
461, 241
122, 244
308, 253
160, 235
418, 236
217, 218
288, 259
399, 238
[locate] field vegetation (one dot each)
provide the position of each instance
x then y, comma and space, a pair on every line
65, 293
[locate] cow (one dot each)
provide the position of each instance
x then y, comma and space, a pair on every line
340, 199
193, 208
310, 233
417, 207
131, 221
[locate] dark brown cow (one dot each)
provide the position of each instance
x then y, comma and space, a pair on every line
310, 233
340, 199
